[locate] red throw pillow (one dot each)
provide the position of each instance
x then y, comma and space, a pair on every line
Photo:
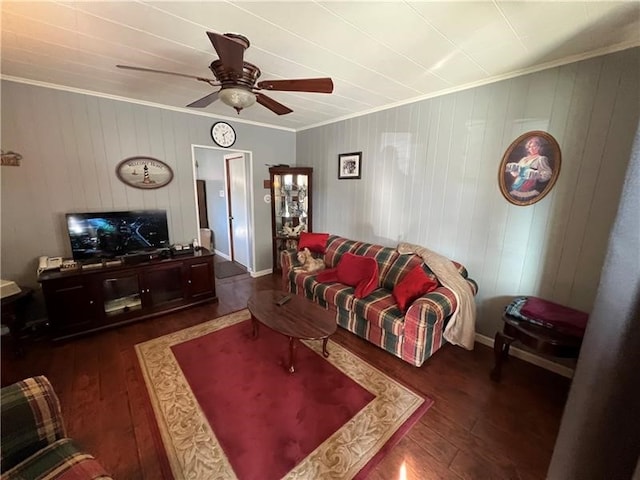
316, 242
328, 275
413, 285
360, 272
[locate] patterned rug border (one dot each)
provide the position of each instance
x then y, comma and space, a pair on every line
193, 450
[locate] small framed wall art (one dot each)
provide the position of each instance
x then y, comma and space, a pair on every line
144, 172
349, 165
529, 168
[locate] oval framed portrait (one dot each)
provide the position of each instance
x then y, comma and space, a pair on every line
144, 172
529, 168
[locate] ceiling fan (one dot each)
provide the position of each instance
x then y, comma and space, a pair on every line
237, 78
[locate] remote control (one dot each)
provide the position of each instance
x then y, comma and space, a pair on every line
283, 300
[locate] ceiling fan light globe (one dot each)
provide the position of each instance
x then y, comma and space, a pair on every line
237, 98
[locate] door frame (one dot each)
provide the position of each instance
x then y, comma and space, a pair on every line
250, 191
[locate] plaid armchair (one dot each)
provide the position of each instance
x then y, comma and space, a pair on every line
34, 444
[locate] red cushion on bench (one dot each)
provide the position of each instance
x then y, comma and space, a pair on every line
565, 318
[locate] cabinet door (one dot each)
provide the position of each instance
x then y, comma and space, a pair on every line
164, 286
200, 278
72, 304
121, 295
291, 209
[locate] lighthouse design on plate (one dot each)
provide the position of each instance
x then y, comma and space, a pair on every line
146, 178
144, 172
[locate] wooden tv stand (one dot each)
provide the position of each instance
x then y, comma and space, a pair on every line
87, 300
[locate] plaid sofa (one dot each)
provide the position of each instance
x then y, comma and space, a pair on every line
414, 336
34, 444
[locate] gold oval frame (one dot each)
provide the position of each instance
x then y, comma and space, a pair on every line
144, 172
515, 154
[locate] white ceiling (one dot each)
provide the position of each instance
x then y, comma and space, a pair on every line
379, 54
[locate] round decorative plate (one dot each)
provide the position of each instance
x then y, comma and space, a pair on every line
144, 172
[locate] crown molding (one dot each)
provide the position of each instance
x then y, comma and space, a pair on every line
525, 71
139, 102
497, 78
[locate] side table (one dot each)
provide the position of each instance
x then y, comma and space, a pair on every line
554, 335
14, 316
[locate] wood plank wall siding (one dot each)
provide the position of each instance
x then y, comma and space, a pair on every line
430, 176
71, 144
476, 429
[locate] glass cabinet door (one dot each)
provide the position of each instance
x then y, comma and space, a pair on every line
164, 284
121, 294
291, 203
291, 207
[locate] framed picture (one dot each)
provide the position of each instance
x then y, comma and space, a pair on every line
529, 168
144, 172
349, 165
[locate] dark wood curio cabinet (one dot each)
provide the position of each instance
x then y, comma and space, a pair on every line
291, 207
83, 301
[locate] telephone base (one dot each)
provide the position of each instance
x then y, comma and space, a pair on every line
49, 263
8, 288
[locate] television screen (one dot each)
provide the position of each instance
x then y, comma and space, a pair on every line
110, 234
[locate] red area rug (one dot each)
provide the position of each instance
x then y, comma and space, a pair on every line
226, 406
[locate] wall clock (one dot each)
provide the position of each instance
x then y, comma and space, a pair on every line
223, 134
144, 172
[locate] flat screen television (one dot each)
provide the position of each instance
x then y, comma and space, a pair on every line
100, 235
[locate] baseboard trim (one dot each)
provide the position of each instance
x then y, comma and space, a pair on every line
261, 273
529, 357
220, 254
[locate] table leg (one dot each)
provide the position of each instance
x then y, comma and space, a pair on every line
15, 330
292, 354
501, 346
255, 325
14, 313
325, 352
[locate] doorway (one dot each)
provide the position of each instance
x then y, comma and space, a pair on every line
223, 182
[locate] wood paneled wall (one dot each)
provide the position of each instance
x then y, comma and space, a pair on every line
430, 176
70, 145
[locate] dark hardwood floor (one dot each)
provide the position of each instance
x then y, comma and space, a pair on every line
475, 430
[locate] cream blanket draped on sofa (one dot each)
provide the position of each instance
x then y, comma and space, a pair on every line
461, 329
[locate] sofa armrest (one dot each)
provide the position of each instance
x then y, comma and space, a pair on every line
288, 258
431, 308
473, 284
31, 419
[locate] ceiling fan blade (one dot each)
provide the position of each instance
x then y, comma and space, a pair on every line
210, 81
229, 50
272, 105
205, 101
318, 85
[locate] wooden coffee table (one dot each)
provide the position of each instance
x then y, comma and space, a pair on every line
299, 318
